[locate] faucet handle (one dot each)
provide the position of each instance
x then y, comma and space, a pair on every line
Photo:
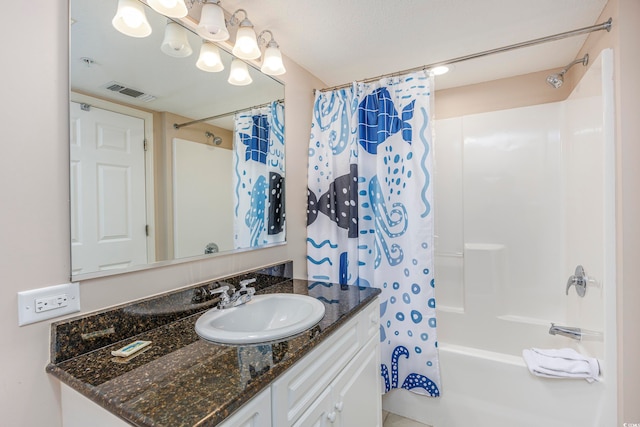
244, 283
248, 292
222, 290
579, 279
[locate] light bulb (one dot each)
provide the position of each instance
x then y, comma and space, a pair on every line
212, 25
246, 46
130, 19
175, 41
170, 8
239, 74
272, 63
209, 59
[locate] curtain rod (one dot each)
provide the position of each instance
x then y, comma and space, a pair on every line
598, 27
193, 122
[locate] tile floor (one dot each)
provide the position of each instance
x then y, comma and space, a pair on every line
393, 420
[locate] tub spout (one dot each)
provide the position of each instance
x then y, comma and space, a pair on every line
566, 331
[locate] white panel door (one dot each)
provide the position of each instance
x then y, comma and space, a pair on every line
108, 213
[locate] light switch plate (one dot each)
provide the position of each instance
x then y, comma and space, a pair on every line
45, 303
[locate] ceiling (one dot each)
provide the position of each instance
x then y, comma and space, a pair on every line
338, 41
342, 41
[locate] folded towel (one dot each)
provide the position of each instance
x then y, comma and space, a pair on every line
561, 363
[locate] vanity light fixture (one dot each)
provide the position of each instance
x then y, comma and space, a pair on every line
209, 59
130, 19
246, 45
212, 25
239, 73
175, 41
169, 8
272, 61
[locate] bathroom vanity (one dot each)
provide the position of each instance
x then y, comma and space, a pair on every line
329, 372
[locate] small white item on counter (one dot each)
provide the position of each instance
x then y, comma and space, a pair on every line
561, 363
129, 349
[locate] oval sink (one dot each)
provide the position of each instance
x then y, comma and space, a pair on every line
265, 318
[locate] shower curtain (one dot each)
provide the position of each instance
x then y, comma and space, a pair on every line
258, 181
369, 216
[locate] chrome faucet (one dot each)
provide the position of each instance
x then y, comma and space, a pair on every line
566, 331
239, 296
242, 295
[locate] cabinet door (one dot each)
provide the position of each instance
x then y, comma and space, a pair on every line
77, 409
320, 413
296, 389
357, 398
255, 413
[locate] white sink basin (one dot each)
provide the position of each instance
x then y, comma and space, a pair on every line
264, 318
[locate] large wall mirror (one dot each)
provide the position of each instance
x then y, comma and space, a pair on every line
168, 162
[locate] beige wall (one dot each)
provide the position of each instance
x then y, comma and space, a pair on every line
514, 92
34, 230
34, 227
627, 75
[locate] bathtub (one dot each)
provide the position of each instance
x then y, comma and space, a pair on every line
486, 389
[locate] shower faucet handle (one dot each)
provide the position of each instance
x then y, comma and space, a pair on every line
579, 280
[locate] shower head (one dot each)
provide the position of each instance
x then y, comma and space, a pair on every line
215, 140
556, 80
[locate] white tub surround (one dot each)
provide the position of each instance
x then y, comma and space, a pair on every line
522, 197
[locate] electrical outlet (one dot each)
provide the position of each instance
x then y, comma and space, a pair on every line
51, 303
44, 303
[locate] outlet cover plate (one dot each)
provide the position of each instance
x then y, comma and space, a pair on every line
27, 302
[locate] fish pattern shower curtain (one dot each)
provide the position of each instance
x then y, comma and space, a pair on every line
369, 217
258, 176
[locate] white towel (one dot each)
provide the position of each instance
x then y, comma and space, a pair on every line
561, 363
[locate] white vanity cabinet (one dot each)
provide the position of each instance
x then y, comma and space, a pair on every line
351, 399
356, 391
338, 384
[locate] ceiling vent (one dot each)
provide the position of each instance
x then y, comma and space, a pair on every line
133, 93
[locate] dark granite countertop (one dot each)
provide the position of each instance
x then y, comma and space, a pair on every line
182, 380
